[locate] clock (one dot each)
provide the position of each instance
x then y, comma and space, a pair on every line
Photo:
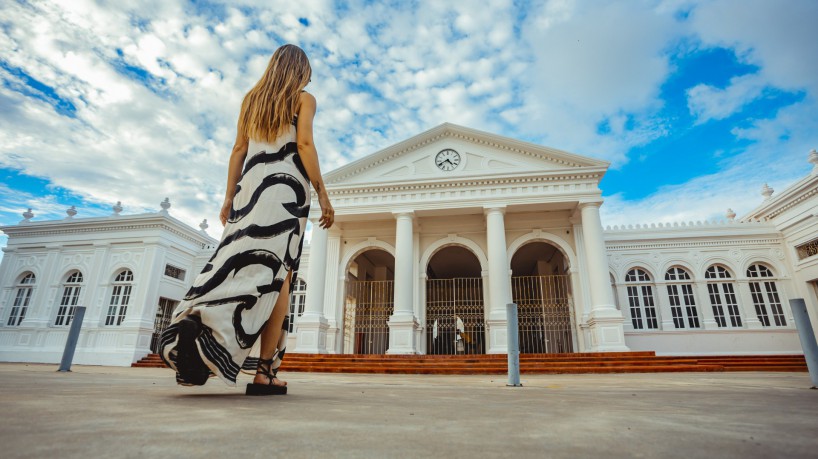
447, 160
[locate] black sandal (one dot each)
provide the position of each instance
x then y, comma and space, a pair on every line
191, 369
264, 368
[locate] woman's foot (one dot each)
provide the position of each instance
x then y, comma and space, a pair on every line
266, 382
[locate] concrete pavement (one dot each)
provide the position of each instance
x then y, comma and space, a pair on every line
139, 412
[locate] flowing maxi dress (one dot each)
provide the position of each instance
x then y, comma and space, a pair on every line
235, 293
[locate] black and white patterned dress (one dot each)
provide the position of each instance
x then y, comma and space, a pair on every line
237, 289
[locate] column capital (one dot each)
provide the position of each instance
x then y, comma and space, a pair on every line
488, 209
403, 213
583, 205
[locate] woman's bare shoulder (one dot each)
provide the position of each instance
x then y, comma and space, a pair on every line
306, 97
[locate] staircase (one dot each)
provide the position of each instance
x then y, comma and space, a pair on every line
603, 362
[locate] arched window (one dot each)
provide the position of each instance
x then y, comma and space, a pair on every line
722, 293
765, 296
21, 299
70, 297
640, 299
120, 297
297, 298
682, 302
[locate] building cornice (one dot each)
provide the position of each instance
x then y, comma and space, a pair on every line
643, 245
789, 198
108, 224
453, 183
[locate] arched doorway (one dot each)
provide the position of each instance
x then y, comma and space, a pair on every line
455, 315
369, 302
540, 285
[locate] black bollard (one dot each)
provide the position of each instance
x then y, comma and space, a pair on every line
73, 337
807, 336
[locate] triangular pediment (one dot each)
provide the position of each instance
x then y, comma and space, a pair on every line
449, 151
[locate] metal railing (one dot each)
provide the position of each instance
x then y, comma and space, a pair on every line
164, 313
545, 321
455, 316
369, 304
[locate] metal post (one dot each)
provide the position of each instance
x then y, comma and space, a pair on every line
807, 336
73, 337
513, 346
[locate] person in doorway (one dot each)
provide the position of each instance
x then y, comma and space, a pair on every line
240, 300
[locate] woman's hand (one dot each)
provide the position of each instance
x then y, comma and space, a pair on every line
327, 212
226, 207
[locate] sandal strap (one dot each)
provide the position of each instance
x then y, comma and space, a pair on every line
265, 368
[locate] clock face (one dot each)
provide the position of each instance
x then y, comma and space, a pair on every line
447, 159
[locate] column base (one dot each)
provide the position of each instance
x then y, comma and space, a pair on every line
402, 334
498, 336
312, 335
606, 330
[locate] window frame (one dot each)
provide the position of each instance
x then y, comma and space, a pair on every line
641, 288
24, 291
121, 292
721, 289
72, 289
766, 305
683, 307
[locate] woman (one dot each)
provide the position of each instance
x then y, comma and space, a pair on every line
242, 294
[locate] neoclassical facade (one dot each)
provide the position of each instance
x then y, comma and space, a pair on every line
437, 234
434, 237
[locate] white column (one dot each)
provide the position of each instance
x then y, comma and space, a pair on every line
499, 279
311, 327
605, 321
402, 324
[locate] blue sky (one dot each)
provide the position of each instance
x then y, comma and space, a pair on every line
696, 104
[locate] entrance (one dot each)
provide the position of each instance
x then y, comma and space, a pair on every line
369, 302
164, 313
455, 314
541, 288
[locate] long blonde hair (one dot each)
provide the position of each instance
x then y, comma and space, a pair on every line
269, 108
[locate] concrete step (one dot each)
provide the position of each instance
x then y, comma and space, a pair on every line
620, 362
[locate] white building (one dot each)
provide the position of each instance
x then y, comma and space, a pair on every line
434, 236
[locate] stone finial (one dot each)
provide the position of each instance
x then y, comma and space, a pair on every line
813, 159
766, 191
71, 212
204, 226
117, 208
731, 216
27, 216
165, 206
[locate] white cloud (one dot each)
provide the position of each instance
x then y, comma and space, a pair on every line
710, 103
595, 62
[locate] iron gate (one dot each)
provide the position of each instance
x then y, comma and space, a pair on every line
544, 308
455, 319
164, 313
369, 304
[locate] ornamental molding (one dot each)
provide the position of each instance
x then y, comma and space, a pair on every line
692, 244
454, 185
26, 232
792, 196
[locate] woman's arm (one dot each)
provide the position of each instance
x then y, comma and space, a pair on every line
309, 156
237, 157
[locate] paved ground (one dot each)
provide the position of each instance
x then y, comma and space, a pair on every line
140, 412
